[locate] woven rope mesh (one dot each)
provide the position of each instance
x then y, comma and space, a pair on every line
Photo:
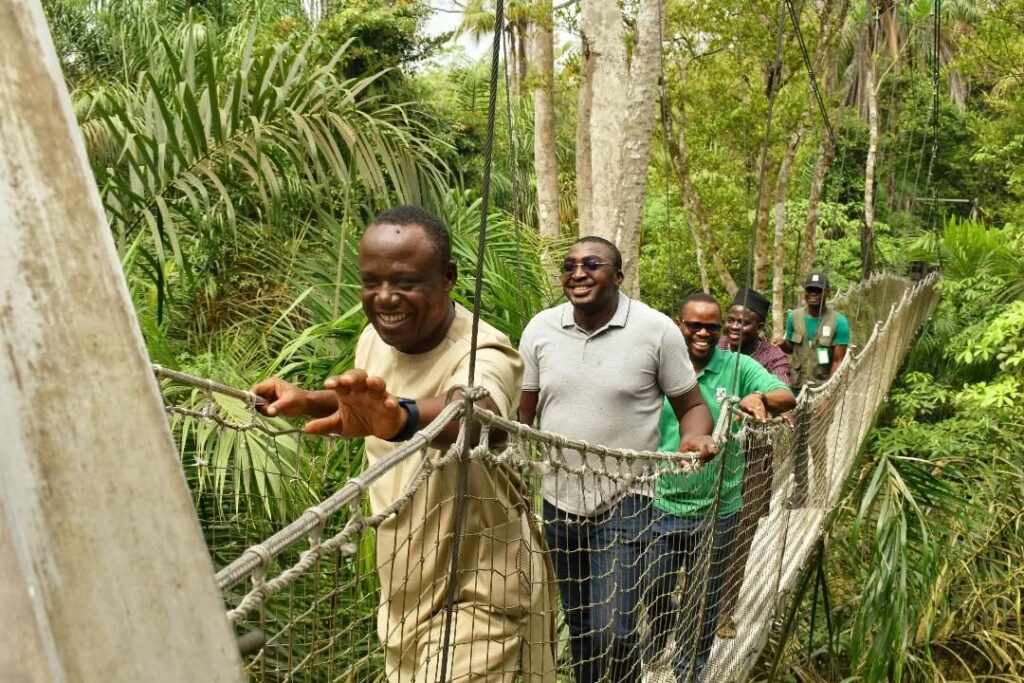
343, 592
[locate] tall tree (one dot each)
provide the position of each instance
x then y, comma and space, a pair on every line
620, 129
781, 190
700, 227
584, 179
825, 67
867, 233
545, 160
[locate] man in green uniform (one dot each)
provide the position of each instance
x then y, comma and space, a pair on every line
687, 501
817, 337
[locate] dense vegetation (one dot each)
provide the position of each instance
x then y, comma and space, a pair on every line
240, 147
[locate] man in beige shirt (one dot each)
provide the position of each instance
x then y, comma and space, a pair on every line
417, 347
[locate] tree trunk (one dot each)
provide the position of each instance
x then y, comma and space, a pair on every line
544, 159
761, 259
809, 239
825, 66
621, 128
522, 52
584, 182
602, 26
781, 190
699, 227
867, 234
644, 74
511, 63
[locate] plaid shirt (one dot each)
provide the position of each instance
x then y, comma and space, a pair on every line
771, 357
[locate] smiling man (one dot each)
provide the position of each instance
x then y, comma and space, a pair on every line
744, 324
597, 368
686, 501
415, 350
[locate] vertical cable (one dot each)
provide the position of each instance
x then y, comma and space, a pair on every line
460, 495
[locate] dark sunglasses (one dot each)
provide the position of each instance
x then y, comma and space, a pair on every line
710, 328
589, 264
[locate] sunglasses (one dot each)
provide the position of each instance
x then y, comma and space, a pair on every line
588, 263
710, 328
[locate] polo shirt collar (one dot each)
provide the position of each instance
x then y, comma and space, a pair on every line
618, 318
716, 363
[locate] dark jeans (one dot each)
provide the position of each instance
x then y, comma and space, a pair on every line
599, 562
683, 551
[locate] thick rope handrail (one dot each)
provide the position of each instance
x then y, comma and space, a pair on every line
208, 384
558, 441
253, 558
351, 492
308, 559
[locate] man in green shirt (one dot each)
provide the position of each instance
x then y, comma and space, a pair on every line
687, 502
817, 337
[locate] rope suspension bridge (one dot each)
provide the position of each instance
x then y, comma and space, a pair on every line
317, 583
313, 587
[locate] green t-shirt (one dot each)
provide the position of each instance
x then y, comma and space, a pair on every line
692, 495
841, 337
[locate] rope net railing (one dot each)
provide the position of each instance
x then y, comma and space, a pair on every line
345, 569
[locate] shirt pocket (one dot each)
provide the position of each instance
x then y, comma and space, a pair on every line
496, 568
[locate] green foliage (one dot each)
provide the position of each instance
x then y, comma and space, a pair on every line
993, 58
285, 129
1001, 340
384, 35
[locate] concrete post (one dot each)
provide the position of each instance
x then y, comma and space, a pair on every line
104, 575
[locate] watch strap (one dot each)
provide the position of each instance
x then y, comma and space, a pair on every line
412, 424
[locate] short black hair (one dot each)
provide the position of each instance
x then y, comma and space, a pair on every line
702, 297
594, 239
406, 215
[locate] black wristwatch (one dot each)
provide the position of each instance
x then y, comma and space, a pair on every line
412, 424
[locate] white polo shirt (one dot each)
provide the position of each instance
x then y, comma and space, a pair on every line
604, 387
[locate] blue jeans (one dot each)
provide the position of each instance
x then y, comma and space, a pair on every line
600, 562
683, 549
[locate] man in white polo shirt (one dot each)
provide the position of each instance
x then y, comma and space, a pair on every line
598, 368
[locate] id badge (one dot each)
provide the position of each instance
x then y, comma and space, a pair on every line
823, 355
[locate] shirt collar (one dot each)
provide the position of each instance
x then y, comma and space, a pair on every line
717, 361
618, 318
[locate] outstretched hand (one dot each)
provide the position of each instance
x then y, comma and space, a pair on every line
365, 408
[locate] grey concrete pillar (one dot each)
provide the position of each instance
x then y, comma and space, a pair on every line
104, 575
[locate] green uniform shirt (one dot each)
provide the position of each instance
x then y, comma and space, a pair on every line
842, 335
692, 495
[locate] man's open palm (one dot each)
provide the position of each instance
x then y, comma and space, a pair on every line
365, 408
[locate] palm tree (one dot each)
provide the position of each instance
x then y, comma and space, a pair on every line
208, 138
